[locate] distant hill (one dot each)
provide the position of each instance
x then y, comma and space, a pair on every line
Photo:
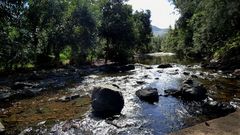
158, 32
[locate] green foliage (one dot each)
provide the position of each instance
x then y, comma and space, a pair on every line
155, 44
230, 46
204, 26
65, 55
143, 30
46, 33
117, 29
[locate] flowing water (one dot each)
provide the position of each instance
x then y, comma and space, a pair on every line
168, 115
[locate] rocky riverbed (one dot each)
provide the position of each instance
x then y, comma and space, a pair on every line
58, 101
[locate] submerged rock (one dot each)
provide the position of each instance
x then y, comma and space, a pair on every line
140, 82
165, 66
4, 96
69, 98
107, 101
21, 85
173, 92
148, 94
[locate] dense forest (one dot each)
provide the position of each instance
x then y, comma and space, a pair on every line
43, 33
49, 33
207, 29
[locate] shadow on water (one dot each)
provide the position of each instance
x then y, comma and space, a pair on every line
153, 60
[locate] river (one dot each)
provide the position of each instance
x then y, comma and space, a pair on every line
168, 115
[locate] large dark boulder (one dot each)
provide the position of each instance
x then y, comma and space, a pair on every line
165, 66
149, 95
107, 101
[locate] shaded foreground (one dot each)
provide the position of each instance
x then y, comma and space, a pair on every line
222, 126
43, 111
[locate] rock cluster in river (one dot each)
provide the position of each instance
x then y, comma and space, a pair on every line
189, 91
218, 108
107, 101
148, 94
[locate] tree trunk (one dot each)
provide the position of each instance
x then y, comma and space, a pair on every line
107, 51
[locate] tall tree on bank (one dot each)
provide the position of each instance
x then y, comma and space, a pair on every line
143, 30
117, 28
14, 37
82, 31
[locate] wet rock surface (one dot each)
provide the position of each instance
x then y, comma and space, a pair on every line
149, 95
107, 101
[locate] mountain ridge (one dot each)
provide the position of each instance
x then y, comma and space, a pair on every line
158, 31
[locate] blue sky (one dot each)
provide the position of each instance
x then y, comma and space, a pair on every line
163, 13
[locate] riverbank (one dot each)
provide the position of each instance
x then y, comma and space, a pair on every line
228, 125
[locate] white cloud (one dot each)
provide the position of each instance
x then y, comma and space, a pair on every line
163, 13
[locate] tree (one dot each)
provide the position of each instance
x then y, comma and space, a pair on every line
205, 26
117, 29
82, 31
13, 36
143, 30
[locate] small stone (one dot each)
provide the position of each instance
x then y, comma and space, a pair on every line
188, 81
148, 67
194, 76
69, 98
186, 73
140, 82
